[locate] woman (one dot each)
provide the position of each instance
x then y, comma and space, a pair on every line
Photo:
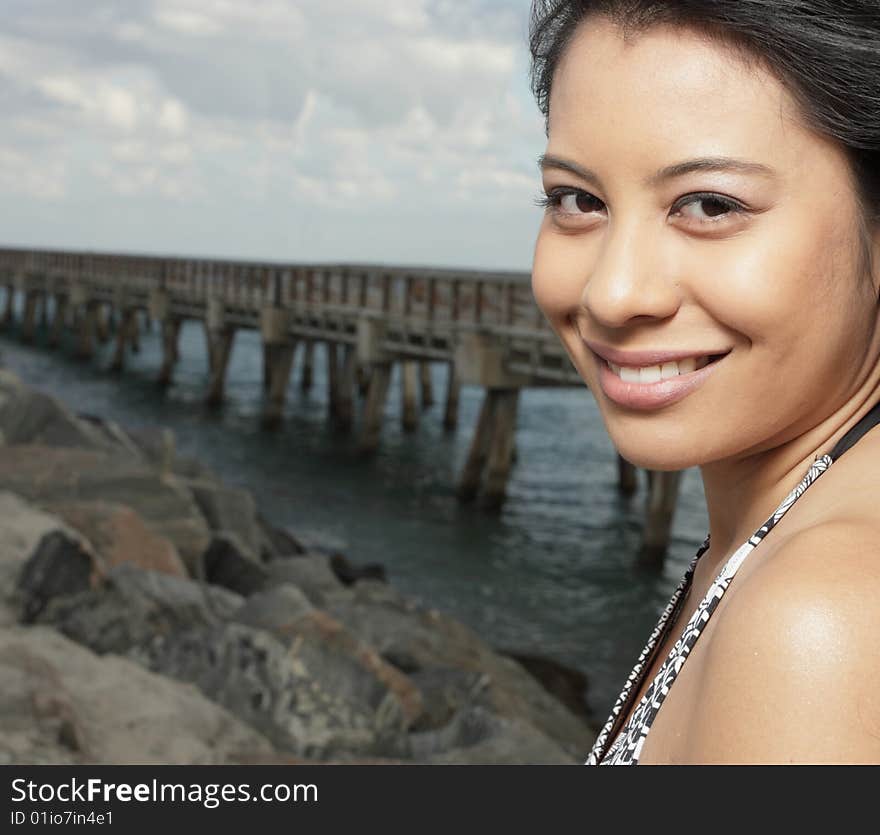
710, 259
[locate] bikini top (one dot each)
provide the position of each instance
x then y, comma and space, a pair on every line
627, 746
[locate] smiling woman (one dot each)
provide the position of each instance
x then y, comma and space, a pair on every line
709, 260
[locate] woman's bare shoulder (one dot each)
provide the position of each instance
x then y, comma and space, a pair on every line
791, 669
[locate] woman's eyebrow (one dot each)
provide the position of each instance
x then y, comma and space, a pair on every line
670, 172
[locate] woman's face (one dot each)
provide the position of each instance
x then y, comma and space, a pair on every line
759, 262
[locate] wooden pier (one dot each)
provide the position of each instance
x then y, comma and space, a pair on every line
484, 326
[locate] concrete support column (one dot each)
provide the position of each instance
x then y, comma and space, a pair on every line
279, 358
453, 388
362, 379
469, 482
134, 333
209, 349
278, 352
500, 459
490, 457
375, 407
127, 319
408, 382
9, 306
59, 318
170, 351
345, 397
102, 329
332, 380
659, 514
626, 476
29, 319
86, 327
426, 384
305, 382
221, 349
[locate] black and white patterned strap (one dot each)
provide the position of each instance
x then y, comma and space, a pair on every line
627, 746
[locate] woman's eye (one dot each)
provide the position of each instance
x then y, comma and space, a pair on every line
580, 202
570, 203
707, 208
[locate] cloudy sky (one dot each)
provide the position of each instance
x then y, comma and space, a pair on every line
397, 131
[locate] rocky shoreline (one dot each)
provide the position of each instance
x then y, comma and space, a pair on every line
149, 614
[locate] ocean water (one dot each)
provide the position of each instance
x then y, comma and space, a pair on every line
553, 573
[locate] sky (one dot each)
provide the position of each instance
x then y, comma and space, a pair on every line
355, 131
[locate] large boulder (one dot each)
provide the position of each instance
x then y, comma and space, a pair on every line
22, 527
59, 565
289, 693
119, 534
61, 704
414, 638
477, 736
347, 664
47, 475
131, 607
226, 562
228, 509
28, 416
156, 444
309, 572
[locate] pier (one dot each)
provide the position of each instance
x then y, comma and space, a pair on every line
484, 326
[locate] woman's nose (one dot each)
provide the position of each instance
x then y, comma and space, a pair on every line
629, 278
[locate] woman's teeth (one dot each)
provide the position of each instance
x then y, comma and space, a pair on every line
656, 373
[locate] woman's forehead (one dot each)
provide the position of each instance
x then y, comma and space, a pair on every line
665, 87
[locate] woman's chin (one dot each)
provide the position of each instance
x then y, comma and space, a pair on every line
655, 457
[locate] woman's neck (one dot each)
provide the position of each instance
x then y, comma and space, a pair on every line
743, 491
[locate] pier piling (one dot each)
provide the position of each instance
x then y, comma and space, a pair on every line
626, 476
659, 513
345, 399
426, 384
170, 351
453, 387
409, 414
374, 409
29, 319
305, 381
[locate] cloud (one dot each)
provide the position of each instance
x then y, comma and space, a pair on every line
336, 112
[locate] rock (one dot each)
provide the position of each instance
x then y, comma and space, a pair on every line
311, 573
156, 445
444, 692
117, 438
131, 607
565, 683
226, 563
283, 692
118, 534
349, 573
418, 639
58, 566
45, 475
61, 704
22, 526
227, 509
347, 664
28, 416
188, 468
278, 542
275, 610
477, 737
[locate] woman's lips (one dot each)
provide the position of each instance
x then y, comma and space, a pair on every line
647, 396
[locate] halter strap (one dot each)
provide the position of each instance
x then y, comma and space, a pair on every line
868, 421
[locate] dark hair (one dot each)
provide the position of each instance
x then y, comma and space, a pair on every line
825, 52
